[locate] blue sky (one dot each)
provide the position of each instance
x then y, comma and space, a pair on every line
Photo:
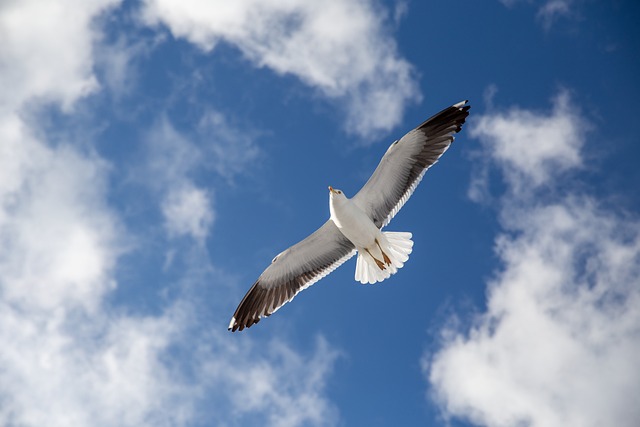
155, 155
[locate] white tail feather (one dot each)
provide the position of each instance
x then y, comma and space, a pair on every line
396, 245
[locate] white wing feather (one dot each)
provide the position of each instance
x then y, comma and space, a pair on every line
404, 164
292, 271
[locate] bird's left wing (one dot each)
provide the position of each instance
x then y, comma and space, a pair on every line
293, 270
405, 162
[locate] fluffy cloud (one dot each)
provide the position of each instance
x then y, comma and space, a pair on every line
47, 50
339, 47
58, 236
558, 342
532, 149
74, 369
187, 211
65, 359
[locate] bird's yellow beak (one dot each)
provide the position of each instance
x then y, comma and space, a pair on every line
331, 189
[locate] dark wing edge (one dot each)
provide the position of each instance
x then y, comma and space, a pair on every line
292, 271
384, 194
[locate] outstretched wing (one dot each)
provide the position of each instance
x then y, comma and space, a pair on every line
293, 270
405, 162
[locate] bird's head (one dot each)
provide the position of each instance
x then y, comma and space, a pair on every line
335, 194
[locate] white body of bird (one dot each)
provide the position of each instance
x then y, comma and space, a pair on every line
380, 254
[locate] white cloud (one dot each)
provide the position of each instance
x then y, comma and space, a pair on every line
552, 10
52, 222
339, 47
46, 50
76, 369
172, 160
532, 149
278, 385
187, 211
549, 11
116, 60
65, 359
558, 342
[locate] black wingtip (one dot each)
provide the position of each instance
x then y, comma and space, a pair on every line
455, 114
238, 326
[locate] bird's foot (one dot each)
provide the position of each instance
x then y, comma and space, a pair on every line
379, 263
387, 261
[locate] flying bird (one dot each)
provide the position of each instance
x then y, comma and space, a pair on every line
355, 224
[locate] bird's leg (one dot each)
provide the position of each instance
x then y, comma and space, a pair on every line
379, 263
384, 256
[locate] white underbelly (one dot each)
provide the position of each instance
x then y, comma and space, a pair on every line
356, 226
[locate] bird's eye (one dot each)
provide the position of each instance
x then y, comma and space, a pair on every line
339, 192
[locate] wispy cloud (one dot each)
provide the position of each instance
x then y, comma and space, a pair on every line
117, 60
231, 150
171, 161
281, 387
553, 10
174, 158
188, 211
558, 342
549, 11
341, 48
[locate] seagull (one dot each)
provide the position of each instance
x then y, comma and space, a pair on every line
355, 225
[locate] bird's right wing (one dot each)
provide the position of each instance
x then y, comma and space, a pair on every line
405, 162
293, 270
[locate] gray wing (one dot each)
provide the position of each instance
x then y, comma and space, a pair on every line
293, 270
405, 162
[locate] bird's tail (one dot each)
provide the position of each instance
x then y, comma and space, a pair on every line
380, 262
